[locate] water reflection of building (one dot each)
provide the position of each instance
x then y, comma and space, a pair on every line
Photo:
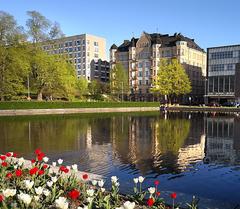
222, 144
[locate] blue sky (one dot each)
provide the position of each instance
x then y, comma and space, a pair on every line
209, 22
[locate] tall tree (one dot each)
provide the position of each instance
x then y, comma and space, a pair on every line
172, 79
82, 87
119, 83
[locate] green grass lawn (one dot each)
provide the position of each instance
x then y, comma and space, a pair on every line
58, 105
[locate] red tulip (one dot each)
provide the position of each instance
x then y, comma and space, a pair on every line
1, 198
33, 161
33, 171
158, 194
85, 176
173, 195
45, 166
74, 194
9, 175
2, 157
40, 156
150, 202
37, 151
4, 164
63, 169
8, 154
40, 172
156, 182
18, 172
14, 154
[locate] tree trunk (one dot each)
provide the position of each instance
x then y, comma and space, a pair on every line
39, 96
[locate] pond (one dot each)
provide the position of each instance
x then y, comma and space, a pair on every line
189, 153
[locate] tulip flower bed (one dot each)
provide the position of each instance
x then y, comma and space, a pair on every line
57, 186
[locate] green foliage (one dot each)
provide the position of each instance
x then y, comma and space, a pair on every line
82, 87
171, 79
119, 83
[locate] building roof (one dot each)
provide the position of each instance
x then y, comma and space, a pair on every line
164, 39
114, 46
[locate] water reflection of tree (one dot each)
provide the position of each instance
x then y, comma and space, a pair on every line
149, 143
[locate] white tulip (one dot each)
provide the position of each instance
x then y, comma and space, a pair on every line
21, 161
90, 199
45, 159
100, 183
60, 161
140, 179
61, 203
117, 184
90, 192
103, 189
54, 179
151, 190
26, 198
129, 205
84, 207
75, 167
54, 164
39, 190
68, 167
50, 171
114, 179
135, 180
94, 182
29, 184
49, 183
9, 192
46, 192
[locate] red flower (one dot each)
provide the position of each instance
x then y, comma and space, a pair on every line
37, 151
63, 169
85, 176
33, 161
2, 157
33, 171
150, 202
1, 198
74, 194
18, 172
40, 172
9, 175
156, 182
40, 156
158, 194
4, 164
14, 154
45, 166
173, 195
8, 154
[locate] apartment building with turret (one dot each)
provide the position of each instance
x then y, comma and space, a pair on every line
141, 56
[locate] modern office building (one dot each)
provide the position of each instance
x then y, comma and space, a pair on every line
141, 57
100, 70
80, 50
223, 74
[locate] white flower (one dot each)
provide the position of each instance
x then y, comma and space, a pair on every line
39, 190
54, 164
75, 167
100, 183
45, 159
140, 179
103, 189
84, 207
36, 197
94, 182
135, 180
151, 190
21, 161
28, 184
114, 179
49, 183
26, 198
60, 161
68, 167
61, 202
9, 192
50, 171
15, 167
117, 184
129, 205
46, 192
90, 199
90, 192
54, 179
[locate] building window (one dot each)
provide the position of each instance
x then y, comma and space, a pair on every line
78, 42
221, 55
95, 55
83, 41
95, 43
216, 68
140, 74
